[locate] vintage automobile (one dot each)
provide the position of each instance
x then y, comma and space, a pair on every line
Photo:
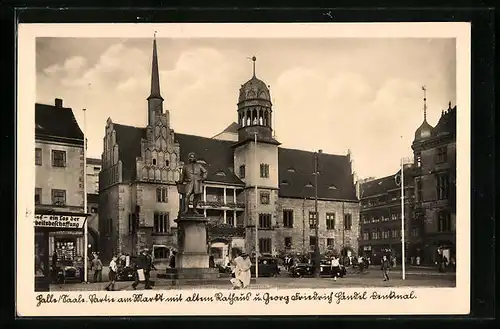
268, 266
306, 270
69, 271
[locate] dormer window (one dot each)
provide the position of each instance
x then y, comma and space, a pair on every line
221, 173
332, 187
292, 170
285, 183
309, 185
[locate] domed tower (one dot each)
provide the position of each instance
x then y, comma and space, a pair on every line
423, 132
255, 110
256, 163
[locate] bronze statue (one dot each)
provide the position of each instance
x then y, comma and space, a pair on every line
191, 183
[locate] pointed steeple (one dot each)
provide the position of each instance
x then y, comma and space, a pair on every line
155, 74
155, 101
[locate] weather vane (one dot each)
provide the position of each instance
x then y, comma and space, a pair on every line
425, 102
253, 60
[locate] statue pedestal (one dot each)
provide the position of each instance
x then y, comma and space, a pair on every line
192, 258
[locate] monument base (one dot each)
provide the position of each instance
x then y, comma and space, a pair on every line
201, 274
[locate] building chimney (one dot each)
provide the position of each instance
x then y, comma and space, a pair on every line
59, 102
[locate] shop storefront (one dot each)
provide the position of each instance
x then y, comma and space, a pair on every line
59, 247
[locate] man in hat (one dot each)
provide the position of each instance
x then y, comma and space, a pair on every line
145, 263
193, 175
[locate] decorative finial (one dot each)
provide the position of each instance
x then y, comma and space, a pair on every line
449, 105
425, 102
254, 59
154, 35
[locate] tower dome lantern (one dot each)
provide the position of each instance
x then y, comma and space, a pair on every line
255, 108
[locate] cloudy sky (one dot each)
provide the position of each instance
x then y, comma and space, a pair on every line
331, 94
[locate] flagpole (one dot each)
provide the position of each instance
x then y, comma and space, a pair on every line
402, 222
256, 215
85, 227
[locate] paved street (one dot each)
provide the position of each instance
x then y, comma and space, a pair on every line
368, 279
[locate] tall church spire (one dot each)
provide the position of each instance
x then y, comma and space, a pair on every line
155, 101
155, 74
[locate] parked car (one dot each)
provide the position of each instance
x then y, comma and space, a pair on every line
68, 271
268, 266
306, 270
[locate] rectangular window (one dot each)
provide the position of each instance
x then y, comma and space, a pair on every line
230, 220
58, 158
242, 171
162, 195
110, 226
264, 197
265, 220
385, 235
375, 235
366, 236
59, 198
347, 222
130, 223
38, 195
441, 154
414, 232
394, 216
330, 220
312, 241
444, 221
288, 243
330, 242
264, 170
442, 187
418, 190
161, 223
288, 218
265, 245
395, 233
312, 219
38, 156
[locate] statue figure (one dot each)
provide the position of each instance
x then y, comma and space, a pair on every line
191, 183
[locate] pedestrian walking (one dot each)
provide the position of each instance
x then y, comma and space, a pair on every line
385, 268
144, 266
361, 264
113, 270
335, 268
96, 266
242, 272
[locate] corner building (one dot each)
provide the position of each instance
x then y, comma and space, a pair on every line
252, 181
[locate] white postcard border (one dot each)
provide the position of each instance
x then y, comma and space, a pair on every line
429, 300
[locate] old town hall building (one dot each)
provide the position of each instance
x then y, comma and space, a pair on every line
252, 181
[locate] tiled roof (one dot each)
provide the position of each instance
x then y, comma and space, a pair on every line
447, 123
232, 128
58, 122
128, 139
296, 170
384, 184
218, 155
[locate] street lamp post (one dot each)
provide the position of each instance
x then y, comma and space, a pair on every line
316, 217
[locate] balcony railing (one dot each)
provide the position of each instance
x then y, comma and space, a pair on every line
221, 230
220, 204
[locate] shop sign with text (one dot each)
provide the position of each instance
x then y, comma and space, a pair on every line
60, 221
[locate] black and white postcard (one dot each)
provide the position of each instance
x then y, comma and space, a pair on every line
243, 169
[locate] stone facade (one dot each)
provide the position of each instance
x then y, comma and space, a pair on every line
300, 233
